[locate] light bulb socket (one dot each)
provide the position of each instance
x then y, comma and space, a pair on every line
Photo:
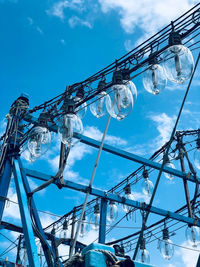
43, 119
102, 84
84, 217
142, 244
53, 231
145, 174
126, 74
68, 105
165, 232
117, 77
127, 189
152, 60
65, 225
80, 92
174, 38
96, 209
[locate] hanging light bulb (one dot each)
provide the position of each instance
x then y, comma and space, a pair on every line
112, 213
119, 102
127, 81
193, 235
154, 78
98, 107
128, 195
165, 245
143, 254
80, 110
39, 138
95, 217
64, 231
147, 185
23, 254
69, 124
178, 60
83, 227
170, 165
197, 153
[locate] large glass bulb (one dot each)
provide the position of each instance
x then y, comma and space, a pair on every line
168, 175
193, 235
178, 63
39, 140
128, 195
197, 158
166, 248
98, 107
154, 79
147, 187
83, 226
67, 126
95, 218
23, 254
131, 86
165, 245
80, 110
143, 256
64, 231
112, 213
119, 102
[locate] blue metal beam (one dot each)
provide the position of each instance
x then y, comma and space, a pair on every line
102, 223
25, 217
122, 153
4, 185
116, 198
46, 247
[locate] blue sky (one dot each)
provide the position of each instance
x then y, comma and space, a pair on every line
46, 45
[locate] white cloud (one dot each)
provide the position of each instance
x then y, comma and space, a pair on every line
188, 257
148, 15
58, 8
164, 126
39, 30
74, 21
95, 133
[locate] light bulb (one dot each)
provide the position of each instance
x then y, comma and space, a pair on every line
23, 254
166, 246
131, 86
112, 213
147, 187
178, 63
80, 110
143, 256
128, 195
83, 226
168, 175
39, 140
119, 102
98, 107
67, 126
193, 235
154, 79
64, 231
95, 218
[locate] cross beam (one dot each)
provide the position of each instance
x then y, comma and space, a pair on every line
110, 196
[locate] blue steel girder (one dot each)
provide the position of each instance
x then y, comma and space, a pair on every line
116, 198
121, 153
46, 247
102, 222
4, 185
25, 217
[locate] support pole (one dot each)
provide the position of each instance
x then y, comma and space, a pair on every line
25, 217
102, 226
4, 185
72, 230
45, 245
